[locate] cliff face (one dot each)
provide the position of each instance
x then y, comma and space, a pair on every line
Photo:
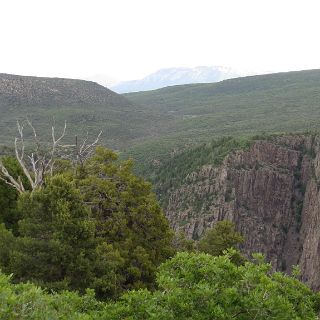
271, 192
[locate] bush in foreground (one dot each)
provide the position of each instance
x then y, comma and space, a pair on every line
199, 286
191, 286
26, 301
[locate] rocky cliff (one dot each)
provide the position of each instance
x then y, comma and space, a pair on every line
271, 191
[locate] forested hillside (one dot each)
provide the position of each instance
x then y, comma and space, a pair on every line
151, 125
91, 242
191, 193
85, 105
283, 102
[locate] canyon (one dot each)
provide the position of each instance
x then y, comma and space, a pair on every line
271, 191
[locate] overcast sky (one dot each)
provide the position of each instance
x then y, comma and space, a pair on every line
128, 39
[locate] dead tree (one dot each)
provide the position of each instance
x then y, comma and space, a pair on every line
81, 151
39, 164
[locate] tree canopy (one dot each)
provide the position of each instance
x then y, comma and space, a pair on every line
9, 214
200, 286
191, 286
96, 227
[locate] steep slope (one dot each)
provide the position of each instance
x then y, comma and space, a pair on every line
176, 76
284, 102
85, 105
269, 188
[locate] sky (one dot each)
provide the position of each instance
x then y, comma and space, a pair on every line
128, 39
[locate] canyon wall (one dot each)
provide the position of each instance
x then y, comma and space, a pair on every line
270, 191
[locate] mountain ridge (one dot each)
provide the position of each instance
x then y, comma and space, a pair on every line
47, 91
85, 105
176, 76
272, 103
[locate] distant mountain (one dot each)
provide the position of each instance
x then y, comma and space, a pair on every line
176, 76
85, 105
38, 91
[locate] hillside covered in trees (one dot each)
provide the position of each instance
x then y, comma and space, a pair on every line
161, 121
85, 105
89, 240
272, 103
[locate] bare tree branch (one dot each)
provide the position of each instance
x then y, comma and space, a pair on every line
8, 179
40, 163
20, 157
86, 150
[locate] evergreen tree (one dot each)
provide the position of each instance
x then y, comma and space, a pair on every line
98, 227
9, 214
127, 216
221, 237
56, 242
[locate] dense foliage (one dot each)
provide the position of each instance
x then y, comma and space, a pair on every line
98, 230
199, 286
191, 286
29, 302
98, 227
9, 213
221, 237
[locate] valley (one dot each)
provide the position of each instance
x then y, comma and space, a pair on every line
245, 150
159, 160
273, 103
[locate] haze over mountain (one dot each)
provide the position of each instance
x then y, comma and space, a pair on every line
102, 79
176, 76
